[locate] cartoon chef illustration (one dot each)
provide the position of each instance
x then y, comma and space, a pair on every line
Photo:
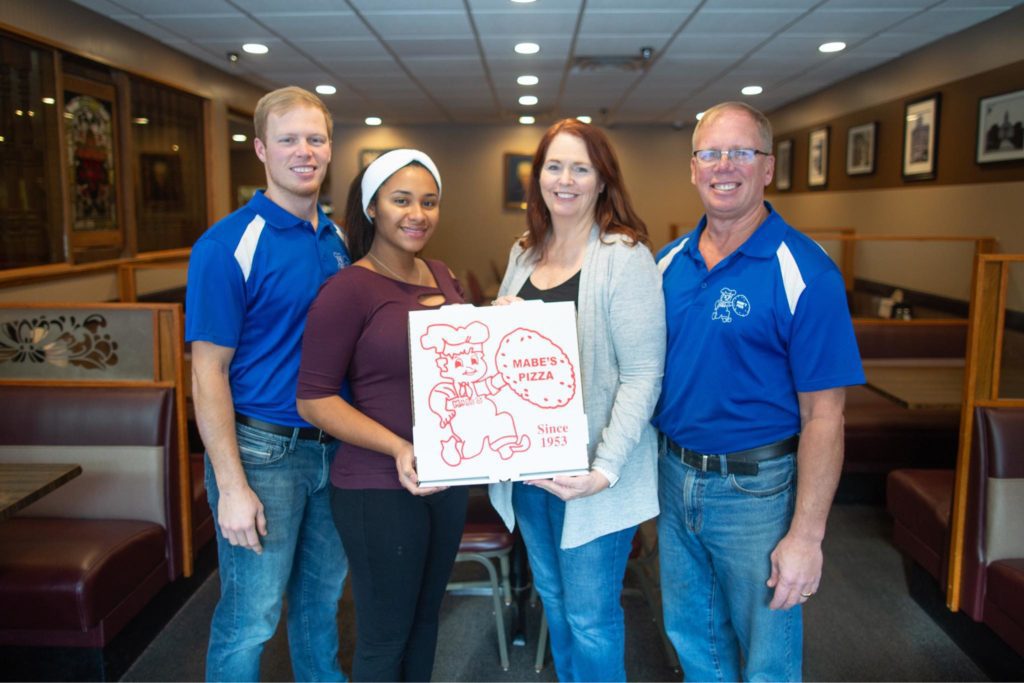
461, 401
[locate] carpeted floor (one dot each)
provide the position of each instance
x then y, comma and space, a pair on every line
867, 623
862, 626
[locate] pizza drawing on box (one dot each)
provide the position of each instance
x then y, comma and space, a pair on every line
529, 364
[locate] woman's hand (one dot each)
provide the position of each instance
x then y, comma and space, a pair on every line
405, 463
579, 486
506, 300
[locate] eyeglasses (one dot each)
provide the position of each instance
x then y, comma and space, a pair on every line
737, 156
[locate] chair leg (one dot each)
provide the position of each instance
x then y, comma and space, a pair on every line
506, 582
499, 616
542, 642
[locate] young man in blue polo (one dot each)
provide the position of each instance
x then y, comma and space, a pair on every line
251, 279
760, 348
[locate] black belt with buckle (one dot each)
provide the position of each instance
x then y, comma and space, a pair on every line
740, 462
305, 433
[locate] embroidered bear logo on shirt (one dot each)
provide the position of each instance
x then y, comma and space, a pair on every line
728, 303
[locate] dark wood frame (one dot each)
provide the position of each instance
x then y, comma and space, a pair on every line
989, 157
814, 182
929, 168
871, 128
784, 162
513, 194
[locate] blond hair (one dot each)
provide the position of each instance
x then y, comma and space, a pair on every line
283, 99
764, 126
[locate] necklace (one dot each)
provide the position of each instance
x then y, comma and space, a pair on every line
419, 276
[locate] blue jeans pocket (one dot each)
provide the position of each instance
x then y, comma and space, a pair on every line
259, 448
773, 477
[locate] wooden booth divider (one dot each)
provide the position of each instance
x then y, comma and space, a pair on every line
99, 346
983, 379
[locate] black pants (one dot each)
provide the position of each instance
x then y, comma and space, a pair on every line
400, 550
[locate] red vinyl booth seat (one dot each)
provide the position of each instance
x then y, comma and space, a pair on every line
920, 502
992, 587
77, 565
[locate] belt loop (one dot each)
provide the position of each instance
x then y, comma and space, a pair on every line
704, 462
723, 465
294, 438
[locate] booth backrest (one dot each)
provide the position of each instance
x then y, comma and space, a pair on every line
125, 439
995, 508
911, 339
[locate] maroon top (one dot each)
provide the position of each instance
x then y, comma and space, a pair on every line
358, 329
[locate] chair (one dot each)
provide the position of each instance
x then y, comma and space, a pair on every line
485, 539
473, 289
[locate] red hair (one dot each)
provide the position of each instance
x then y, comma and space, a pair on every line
613, 212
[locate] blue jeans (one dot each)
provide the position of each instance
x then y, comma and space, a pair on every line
581, 588
715, 535
302, 557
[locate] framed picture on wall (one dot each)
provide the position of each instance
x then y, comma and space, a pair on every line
783, 165
516, 175
860, 149
1001, 128
920, 138
817, 157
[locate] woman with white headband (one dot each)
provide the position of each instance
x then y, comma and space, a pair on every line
401, 539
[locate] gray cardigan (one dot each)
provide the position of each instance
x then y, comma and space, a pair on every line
621, 330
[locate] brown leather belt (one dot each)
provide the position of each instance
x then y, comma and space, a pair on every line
304, 433
740, 462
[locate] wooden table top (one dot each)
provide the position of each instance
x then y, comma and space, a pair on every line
918, 386
22, 484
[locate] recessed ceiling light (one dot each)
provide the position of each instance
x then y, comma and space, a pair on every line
239, 137
700, 115
527, 79
752, 90
2, 138
140, 120
836, 46
527, 120
256, 48
373, 120
18, 112
528, 100
175, 148
584, 119
326, 89
527, 48
49, 100
523, 2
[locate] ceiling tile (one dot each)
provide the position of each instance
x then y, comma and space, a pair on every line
224, 26
723, 22
434, 24
315, 25
178, 7
525, 25
633, 21
324, 49
840, 24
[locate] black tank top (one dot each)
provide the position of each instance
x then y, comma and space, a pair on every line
567, 291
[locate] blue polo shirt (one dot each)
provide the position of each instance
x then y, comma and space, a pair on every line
767, 322
251, 279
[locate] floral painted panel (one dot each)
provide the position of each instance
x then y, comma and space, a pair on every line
76, 344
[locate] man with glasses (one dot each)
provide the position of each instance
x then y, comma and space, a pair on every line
760, 348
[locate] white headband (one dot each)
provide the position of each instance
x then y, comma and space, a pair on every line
385, 166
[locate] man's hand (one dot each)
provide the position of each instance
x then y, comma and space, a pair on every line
796, 571
405, 464
568, 488
241, 518
506, 300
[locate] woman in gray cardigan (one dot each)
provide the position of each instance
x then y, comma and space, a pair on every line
585, 244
